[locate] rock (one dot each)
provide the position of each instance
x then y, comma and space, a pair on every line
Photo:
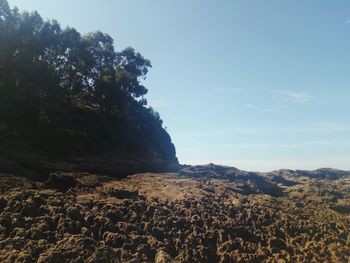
74, 214
114, 239
281, 180
341, 208
278, 244
93, 221
124, 194
162, 257
252, 182
225, 258
105, 254
60, 181
323, 173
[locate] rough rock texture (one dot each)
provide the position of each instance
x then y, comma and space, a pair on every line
204, 214
252, 183
323, 173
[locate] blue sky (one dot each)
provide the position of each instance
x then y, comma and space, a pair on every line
259, 85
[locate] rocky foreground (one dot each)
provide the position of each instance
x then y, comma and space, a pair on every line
200, 214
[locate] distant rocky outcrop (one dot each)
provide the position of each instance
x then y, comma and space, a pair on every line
252, 183
323, 173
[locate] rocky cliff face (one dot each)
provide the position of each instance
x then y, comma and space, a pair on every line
200, 214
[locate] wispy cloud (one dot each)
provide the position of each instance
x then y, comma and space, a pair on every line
259, 108
262, 146
320, 142
301, 128
295, 96
228, 90
242, 146
347, 21
254, 107
271, 108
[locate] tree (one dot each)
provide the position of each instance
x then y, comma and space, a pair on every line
63, 92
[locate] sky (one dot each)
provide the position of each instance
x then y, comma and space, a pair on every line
259, 85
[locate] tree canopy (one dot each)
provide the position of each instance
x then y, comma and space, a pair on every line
65, 93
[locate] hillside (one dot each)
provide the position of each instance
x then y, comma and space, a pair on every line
66, 95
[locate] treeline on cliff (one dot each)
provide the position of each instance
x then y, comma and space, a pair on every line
63, 93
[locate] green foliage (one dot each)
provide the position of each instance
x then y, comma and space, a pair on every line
66, 93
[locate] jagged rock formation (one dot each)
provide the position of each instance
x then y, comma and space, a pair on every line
252, 183
323, 173
186, 217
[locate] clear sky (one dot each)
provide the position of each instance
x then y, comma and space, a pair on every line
259, 85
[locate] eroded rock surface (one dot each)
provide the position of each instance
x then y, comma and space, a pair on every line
251, 183
204, 214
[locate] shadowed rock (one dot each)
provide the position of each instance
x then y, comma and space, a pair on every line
281, 180
61, 182
323, 173
124, 194
341, 208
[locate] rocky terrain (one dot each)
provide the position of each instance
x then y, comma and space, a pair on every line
200, 214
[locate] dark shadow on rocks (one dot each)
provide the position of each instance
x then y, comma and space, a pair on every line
323, 173
124, 194
281, 180
340, 208
61, 182
116, 168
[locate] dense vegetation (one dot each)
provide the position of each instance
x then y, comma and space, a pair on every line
63, 93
